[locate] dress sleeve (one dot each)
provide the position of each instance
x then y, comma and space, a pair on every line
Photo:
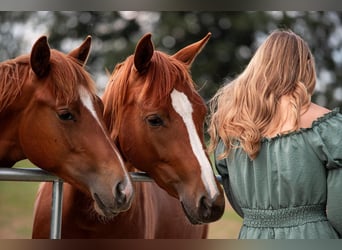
328, 139
222, 169
330, 151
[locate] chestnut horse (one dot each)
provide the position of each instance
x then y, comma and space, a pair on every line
156, 117
49, 114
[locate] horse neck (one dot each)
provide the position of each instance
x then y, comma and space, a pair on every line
12, 108
10, 149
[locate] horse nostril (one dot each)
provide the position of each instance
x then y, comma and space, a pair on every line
205, 208
120, 195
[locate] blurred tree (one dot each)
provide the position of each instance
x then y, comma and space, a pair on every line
235, 36
8, 22
111, 37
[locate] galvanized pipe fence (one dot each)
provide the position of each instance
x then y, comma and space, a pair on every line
40, 175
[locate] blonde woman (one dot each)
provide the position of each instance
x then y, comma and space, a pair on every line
279, 154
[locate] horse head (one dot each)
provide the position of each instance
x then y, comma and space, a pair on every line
156, 116
57, 124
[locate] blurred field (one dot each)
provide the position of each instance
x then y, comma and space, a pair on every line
16, 209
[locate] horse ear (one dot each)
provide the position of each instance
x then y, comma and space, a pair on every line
143, 53
188, 54
40, 57
82, 52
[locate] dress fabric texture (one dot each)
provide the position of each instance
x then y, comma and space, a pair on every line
293, 189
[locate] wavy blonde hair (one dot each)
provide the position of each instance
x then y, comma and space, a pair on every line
246, 109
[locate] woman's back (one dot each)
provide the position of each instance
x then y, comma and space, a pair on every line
282, 193
287, 120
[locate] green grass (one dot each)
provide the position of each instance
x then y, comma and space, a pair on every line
16, 206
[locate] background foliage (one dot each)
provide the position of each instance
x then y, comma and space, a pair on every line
235, 36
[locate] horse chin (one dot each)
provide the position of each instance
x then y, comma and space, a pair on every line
190, 216
98, 215
204, 213
102, 210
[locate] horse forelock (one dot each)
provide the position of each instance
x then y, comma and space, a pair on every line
165, 74
66, 74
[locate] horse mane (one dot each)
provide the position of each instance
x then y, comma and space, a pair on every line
164, 72
66, 73
13, 76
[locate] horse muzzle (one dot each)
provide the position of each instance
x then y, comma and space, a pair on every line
119, 201
207, 210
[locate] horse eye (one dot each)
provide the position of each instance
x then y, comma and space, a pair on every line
154, 121
66, 116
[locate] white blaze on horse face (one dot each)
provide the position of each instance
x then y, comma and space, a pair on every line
88, 104
183, 107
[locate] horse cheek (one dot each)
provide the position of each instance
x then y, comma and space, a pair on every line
37, 138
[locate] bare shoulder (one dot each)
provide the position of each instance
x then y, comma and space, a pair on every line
313, 113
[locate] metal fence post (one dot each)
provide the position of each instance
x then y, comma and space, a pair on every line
56, 209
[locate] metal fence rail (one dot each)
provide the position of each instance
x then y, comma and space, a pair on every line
39, 175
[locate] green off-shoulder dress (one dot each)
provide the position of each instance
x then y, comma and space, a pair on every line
293, 189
